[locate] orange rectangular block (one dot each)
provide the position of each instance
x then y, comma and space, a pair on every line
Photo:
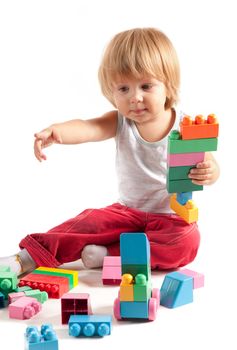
199, 128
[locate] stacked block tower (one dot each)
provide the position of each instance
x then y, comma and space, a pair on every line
186, 148
136, 298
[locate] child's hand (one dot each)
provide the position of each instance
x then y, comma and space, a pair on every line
206, 172
43, 139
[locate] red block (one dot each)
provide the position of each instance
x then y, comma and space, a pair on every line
75, 304
55, 286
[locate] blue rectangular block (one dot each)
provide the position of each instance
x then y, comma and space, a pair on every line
135, 309
134, 249
89, 325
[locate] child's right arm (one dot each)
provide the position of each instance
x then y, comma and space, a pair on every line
76, 131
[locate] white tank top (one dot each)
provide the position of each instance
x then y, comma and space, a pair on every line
142, 168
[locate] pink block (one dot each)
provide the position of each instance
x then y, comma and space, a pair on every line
111, 275
198, 278
112, 261
14, 296
24, 308
184, 159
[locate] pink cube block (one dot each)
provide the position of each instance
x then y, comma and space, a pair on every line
198, 278
24, 308
14, 296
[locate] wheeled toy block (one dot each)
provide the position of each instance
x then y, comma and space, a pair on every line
8, 281
24, 308
198, 278
199, 127
176, 290
188, 212
46, 339
70, 274
90, 325
55, 286
111, 273
75, 304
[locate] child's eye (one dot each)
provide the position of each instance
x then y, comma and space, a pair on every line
123, 89
146, 86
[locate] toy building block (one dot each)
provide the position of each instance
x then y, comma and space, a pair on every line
55, 286
41, 297
111, 272
189, 211
46, 339
185, 159
198, 278
183, 197
126, 288
142, 288
70, 274
8, 281
2, 301
24, 308
199, 128
177, 145
136, 280
22, 289
4, 268
90, 325
179, 172
75, 304
176, 290
175, 186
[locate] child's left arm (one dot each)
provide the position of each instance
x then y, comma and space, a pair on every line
205, 173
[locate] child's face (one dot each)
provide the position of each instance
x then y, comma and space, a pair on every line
141, 100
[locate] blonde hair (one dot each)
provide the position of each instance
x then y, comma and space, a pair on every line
141, 52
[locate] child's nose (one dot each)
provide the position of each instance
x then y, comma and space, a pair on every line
136, 97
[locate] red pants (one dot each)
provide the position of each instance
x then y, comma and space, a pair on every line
174, 243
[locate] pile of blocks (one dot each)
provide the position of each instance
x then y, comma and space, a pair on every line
186, 148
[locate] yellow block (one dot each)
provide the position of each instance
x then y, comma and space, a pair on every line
126, 292
188, 212
71, 272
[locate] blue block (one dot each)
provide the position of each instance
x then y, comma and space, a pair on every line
134, 309
176, 290
2, 304
183, 197
134, 249
46, 339
89, 325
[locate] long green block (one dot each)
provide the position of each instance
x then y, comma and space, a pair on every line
178, 172
51, 273
177, 186
191, 146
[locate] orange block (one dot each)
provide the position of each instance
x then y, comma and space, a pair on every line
200, 128
126, 292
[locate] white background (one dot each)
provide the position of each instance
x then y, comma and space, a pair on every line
49, 56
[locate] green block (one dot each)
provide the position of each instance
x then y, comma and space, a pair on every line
192, 146
59, 274
4, 268
142, 288
137, 269
179, 172
177, 186
37, 294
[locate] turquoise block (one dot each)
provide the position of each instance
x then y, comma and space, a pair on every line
176, 290
135, 309
177, 186
134, 249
